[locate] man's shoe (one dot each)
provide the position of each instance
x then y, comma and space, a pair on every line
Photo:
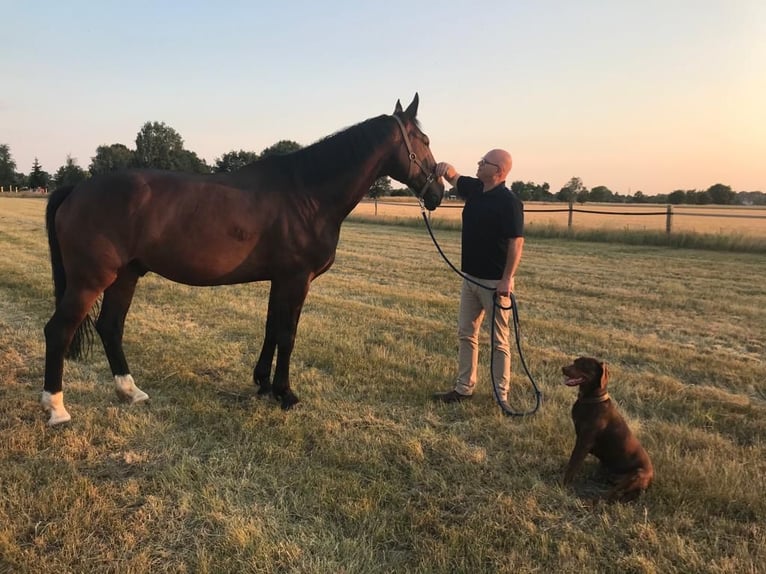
451, 397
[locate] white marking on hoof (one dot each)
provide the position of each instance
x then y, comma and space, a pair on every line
54, 404
127, 390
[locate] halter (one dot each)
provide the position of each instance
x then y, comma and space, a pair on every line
414, 159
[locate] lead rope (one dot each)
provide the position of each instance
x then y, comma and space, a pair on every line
514, 308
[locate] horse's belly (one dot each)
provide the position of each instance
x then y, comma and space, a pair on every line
205, 268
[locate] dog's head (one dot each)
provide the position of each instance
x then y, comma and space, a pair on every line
587, 373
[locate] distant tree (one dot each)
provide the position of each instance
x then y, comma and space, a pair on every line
37, 177
380, 188
571, 190
530, 191
751, 198
721, 194
8, 175
69, 174
703, 198
601, 194
158, 146
189, 162
542, 192
110, 158
234, 160
639, 197
282, 146
677, 197
520, 188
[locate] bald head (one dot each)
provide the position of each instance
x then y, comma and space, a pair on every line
493, 168
502, 159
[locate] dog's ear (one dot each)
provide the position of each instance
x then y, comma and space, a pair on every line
604, 374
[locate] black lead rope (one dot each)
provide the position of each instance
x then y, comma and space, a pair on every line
514, 308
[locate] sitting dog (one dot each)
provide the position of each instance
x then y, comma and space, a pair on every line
603, 432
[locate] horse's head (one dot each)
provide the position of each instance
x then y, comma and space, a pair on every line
414, 164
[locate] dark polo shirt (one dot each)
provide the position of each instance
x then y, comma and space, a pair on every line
490, 219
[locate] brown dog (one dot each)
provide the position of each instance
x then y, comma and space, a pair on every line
603, 432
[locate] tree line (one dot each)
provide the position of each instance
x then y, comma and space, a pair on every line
161, 147
158, 146
575, 191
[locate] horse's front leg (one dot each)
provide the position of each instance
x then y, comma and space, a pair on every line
286, 302
262, 370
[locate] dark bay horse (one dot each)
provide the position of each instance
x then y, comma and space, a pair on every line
277, 219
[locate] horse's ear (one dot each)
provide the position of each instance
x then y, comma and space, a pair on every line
398, 109
412, 109
604, 375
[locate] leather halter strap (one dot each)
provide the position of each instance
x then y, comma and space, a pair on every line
414, 159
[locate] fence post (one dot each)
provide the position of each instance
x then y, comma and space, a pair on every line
669, 220
571, 211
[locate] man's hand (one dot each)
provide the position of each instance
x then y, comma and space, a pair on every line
505, 287
446, 171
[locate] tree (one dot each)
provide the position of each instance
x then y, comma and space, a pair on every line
531, 191
282, 146
158, 146
571, 190
703, 198
601, 194
380, 188
110, 158
37, 177
721, 194
234, 160
677, 197
7, 167
70, 173
639, 197
189, 161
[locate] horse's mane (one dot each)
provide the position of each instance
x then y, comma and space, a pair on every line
327, 157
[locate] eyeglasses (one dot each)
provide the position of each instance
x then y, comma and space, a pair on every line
483, 161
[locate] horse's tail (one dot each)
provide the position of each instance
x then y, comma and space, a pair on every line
82, 341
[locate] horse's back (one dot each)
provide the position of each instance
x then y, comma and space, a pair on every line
199, 230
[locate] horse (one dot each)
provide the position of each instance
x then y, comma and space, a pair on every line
277, 219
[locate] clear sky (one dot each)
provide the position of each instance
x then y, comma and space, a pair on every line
650, 95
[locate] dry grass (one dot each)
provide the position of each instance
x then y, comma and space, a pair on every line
368, 475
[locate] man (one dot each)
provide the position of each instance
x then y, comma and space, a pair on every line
492, 242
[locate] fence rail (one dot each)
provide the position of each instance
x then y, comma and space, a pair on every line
670, 213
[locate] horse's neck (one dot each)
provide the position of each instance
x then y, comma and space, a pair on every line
343, 195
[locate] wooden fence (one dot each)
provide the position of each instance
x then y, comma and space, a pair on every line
726, 219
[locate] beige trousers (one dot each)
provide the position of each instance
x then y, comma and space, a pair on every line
475, 303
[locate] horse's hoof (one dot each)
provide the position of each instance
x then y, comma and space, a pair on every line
264, 390
127, 391
54, 404
289, 401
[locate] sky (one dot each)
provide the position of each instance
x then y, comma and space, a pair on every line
649, 95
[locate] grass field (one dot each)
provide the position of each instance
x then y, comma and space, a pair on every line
368, 474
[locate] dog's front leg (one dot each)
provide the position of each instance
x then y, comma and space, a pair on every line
582, 447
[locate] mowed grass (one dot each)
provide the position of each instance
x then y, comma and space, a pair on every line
368, 474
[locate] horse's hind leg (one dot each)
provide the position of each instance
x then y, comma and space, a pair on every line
59, 331
110, 327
